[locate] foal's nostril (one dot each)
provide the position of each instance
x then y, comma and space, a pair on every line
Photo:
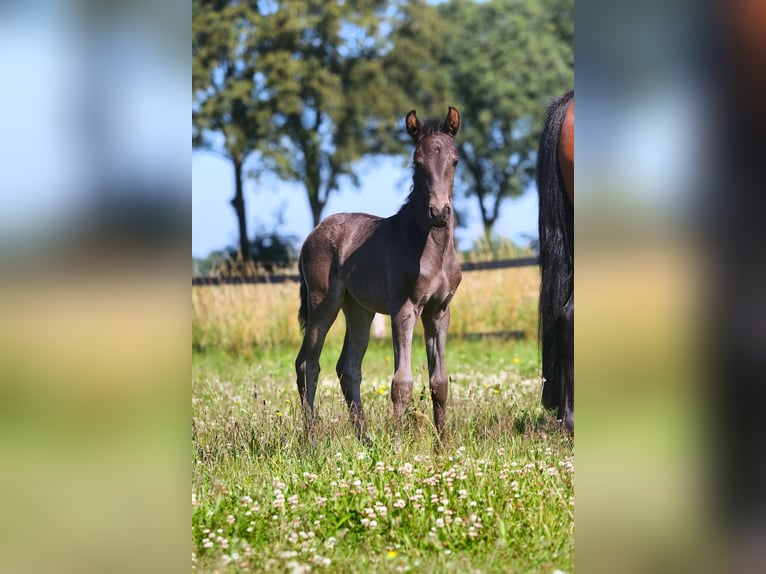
442, 213
439, 217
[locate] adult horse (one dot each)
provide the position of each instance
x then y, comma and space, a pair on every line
555, 186
405, 266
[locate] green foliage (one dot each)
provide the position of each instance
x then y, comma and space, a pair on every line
310, 87
414, 65
497, 248
227, 114
499, 62
514, 56
322, 71
270, 250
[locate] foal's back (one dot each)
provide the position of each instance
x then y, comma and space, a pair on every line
355, 254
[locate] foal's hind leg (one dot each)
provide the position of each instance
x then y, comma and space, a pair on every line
349, 367
322, 312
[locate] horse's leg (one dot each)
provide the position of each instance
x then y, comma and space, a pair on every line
435, 331
566, 344
300, 370
349, 367
322, 311
403, 319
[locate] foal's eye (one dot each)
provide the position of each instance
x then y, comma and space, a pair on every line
454, 163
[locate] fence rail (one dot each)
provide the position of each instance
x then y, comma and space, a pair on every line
250, 280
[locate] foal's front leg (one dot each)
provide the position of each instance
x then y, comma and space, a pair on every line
435, 332
403, 319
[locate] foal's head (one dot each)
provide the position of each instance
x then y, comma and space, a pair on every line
435, 159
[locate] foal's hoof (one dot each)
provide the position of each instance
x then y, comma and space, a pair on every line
366, 441
439, 444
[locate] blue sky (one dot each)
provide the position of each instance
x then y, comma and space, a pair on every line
385, 183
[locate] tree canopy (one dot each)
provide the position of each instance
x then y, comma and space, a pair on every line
514, 56
322, 71
304, 89
227, 115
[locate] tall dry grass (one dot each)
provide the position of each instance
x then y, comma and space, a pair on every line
240, 318
497, 301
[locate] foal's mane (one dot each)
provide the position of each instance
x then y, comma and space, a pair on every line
430, 127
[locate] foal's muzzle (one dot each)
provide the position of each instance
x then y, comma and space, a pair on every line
440, 217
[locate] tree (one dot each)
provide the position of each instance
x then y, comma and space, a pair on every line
226, 116
514, 56
416, 74
322, 66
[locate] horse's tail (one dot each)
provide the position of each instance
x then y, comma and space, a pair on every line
303, 310
556, 228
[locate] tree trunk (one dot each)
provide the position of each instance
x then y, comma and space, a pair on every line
313, 187
316, 203
487, 220
239, 207
316, 210
488, 234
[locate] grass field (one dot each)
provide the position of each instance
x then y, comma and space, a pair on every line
240, 318
498, 498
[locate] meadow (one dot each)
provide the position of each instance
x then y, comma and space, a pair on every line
499, 497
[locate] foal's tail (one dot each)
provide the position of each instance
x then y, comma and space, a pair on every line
556, 227
303, 310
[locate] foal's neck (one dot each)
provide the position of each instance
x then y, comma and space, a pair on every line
423, 236
440, 239
416, 220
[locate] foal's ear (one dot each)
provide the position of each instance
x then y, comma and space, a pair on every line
413, 125
452, 122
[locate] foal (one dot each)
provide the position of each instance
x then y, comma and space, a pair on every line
405, 266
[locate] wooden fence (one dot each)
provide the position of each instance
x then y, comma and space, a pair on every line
466, 267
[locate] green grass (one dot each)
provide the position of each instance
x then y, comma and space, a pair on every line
498, 498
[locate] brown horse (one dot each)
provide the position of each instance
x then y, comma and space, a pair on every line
555, 185
405, 266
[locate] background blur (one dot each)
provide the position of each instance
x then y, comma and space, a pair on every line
670, 258
95, 230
